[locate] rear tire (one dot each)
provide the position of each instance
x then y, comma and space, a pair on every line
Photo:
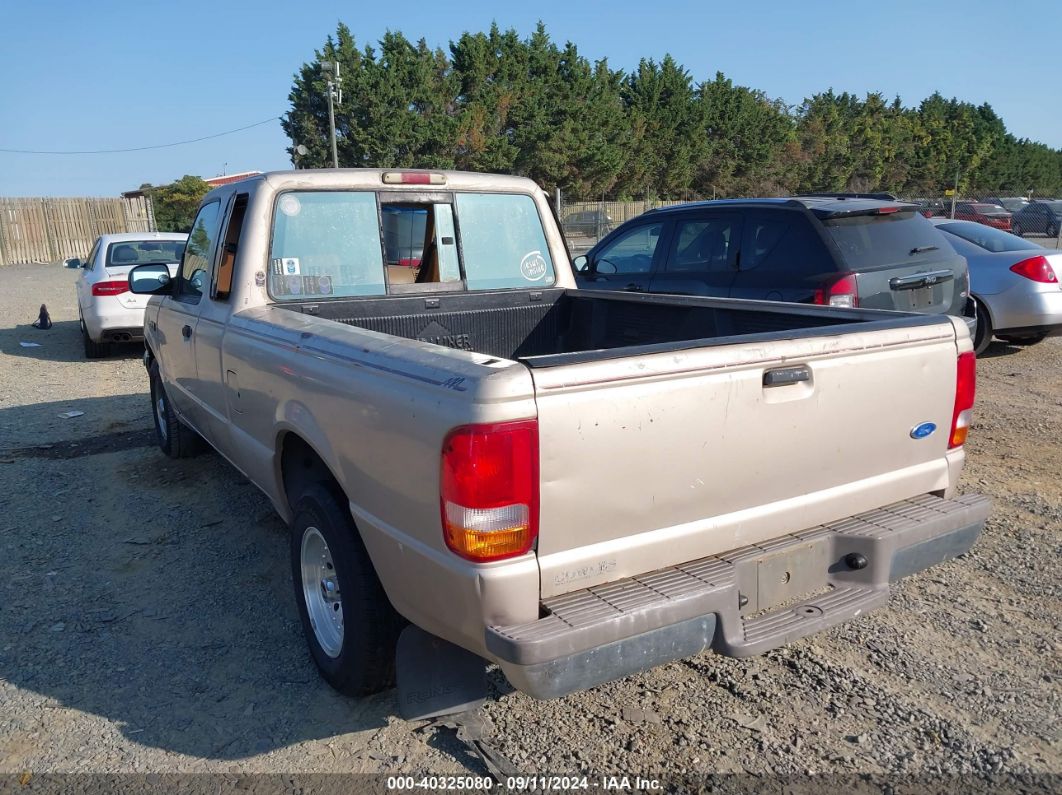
1052, 230
336, 587
93, 350
983, 336
1024, 342
1015, 229
174, 438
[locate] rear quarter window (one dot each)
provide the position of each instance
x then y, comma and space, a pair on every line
784, 243
879, 241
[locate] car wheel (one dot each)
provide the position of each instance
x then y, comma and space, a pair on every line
348, 621
983, 335
1052, 230
1015, 229
174, 438
1024, 341
93, 350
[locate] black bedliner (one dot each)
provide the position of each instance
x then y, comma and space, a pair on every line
561, 326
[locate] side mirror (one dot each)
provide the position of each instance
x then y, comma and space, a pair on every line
149, 280
73, 262
581, 263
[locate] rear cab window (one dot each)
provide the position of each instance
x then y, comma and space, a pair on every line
906, 237
336, 244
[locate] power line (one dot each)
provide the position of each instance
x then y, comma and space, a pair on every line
136, 148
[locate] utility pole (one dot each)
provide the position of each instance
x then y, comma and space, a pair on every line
335, 97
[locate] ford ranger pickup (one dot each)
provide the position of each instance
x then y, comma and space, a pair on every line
481, 463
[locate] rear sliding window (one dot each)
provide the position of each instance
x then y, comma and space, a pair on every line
329, 244
875, 241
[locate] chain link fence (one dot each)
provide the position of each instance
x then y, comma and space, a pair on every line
1036, 218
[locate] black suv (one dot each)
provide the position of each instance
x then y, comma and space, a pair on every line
838, 250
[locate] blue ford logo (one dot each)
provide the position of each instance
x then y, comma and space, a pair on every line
923, 430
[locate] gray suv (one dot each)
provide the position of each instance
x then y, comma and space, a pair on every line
835, 250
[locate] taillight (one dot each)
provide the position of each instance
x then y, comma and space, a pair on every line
965, 388
841, 292
489, 490
413, 178
1036, 268
111, 288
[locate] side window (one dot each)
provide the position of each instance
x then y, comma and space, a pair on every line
198, 253
631, 252
783, 242
223, 277
762, 237
705, 244
90, 260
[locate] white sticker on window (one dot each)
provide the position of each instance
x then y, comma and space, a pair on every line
290, 205
290, 266
533, 266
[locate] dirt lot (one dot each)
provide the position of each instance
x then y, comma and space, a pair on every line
147, 621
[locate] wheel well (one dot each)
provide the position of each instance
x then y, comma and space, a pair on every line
984, 306
300, 465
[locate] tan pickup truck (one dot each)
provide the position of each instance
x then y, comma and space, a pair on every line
497, 467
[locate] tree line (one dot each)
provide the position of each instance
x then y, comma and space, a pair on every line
498, 102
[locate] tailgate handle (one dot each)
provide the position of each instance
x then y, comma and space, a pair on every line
916, 280
786, 375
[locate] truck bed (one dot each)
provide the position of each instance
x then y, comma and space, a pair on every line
544, 328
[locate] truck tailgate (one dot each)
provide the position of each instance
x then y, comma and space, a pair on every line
651, 460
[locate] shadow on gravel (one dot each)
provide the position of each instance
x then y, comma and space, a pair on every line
998, 348
61, 343
154, 593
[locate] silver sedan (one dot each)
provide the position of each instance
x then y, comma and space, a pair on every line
1015, 281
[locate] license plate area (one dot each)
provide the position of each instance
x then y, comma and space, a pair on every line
783, 577
922, 297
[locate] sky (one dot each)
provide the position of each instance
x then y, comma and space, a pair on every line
109, 74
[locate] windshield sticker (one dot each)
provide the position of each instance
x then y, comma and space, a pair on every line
533, 266
290, 266
290, 205
293, 285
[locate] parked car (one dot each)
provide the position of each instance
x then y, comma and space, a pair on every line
1009, 203
470, 454
931, 208
107, 310
983, 213
1038, 217
833, 250
1014, 281
589, 223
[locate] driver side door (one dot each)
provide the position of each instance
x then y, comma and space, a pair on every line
627, 259
179, 315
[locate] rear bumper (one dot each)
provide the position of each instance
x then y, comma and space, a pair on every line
614, 630
1026, 306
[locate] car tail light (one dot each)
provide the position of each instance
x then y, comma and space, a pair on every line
413, 178
489, 490
111, 288
840, 292
965, 388
1036, 268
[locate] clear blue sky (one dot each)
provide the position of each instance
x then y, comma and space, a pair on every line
108, 74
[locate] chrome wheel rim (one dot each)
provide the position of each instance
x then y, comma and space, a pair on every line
160, 416
320, 592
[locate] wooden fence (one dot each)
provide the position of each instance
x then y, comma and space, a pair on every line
50, 230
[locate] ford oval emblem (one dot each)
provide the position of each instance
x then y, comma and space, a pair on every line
923, 430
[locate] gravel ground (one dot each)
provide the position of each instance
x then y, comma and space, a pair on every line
148, 624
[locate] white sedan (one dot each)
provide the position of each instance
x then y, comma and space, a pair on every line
108, 311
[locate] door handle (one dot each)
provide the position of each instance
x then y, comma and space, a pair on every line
186, 332
783, 376
634, 288
916, 280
